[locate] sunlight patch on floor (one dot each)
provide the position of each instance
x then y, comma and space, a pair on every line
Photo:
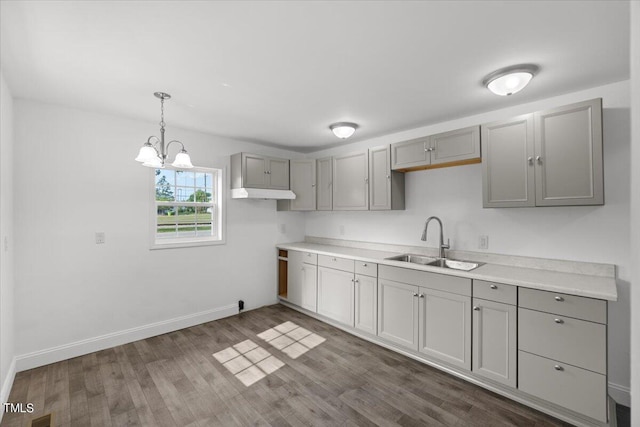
291, 339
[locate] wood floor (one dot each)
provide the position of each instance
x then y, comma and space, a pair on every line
173, 380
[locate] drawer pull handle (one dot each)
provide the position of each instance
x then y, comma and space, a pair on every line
558, 368
494, 287
364, 265
334, 259
558, 321
559, 299
476, 308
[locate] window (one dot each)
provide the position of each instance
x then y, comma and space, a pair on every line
187, 208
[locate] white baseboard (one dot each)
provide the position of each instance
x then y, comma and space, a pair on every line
620, 394
7, 383
79, 348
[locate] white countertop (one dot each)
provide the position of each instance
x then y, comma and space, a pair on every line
548, 280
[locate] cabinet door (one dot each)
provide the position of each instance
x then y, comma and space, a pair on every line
254, 171
494, 341
278, 172
303, 184
380, 178
398, 313
568, 149
410, 154
507, 165
294, 277
335, 295
309, 289
455, 146
324, 184
445, 326
366, 303
351, 182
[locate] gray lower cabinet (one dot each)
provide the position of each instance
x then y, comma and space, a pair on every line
366, 303
398, 313
351, 181
495, 337
562, 350
547, 158
386, 188
336, 294
302, 272
324, 184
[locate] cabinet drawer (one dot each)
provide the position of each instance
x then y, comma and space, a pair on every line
367, 268
337, 263
594, 310
442, 282
498, 292
565, 339
309, 258
577, 389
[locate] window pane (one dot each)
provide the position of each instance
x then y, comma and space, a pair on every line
166, 221
203, 221
184, 194
185, 178
204, 180
186, 221
164, 185
202, 195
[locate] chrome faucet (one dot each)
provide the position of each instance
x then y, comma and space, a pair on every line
442, 245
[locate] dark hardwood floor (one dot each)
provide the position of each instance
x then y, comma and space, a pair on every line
175, 380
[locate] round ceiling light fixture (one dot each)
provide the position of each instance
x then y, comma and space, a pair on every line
343, 130
509, 80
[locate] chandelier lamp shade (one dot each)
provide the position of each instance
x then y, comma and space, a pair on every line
509, 80
155, 151
343, 130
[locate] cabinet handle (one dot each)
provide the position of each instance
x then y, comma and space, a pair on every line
421, 296
476, 308
366, 180
334, 259
539, 159
493, 287
530, 160
364, 264
356, 281
558, 321
558, 368
388, 176
313, 185
559, 299
415, 295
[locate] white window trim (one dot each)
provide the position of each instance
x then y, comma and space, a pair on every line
196, 241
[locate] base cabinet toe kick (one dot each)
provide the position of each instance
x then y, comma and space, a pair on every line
544, 349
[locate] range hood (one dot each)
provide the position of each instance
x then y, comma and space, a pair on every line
262, 193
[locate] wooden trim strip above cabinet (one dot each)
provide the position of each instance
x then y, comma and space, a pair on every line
442, 165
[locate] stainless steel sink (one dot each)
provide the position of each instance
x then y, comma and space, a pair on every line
453, 264
415, 259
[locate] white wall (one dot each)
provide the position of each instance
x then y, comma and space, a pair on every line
595, 234
75, 175
6, 232
635, 212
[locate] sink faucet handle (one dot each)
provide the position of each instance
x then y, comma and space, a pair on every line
447, 245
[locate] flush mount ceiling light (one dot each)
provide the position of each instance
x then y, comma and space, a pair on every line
509, 80
343, 130
154, 155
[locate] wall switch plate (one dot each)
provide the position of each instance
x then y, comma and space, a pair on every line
483, 242
100, 237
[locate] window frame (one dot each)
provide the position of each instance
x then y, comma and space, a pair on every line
219, 202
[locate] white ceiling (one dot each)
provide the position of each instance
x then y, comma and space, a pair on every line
281, 72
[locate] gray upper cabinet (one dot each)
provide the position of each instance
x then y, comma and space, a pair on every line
458, 146
548, 158
324, 184
256, 171
386, 188
507, 167
351, 181
568, 145
303, 184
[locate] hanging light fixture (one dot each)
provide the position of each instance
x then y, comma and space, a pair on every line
154, 155
343, 130
509, 80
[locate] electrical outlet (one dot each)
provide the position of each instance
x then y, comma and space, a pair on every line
100, 237
341, 230
483, 242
